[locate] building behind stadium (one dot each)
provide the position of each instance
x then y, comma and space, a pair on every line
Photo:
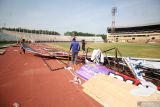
137, 34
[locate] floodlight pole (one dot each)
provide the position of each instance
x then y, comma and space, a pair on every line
114, 10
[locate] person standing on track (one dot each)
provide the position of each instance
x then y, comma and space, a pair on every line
83, 46
22, 46
74, 48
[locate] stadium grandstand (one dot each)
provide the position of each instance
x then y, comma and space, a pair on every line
137, 34
15, 36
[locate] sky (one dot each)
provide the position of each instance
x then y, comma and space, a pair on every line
92, 16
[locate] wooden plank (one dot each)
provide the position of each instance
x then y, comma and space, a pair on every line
115, 93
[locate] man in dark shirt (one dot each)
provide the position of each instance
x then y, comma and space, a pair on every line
83, 46
75, 47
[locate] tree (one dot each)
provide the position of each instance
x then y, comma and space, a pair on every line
104, 37
78, 33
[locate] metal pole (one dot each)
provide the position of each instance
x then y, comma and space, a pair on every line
114, 10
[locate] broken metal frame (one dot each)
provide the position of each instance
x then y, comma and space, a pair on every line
59, 58
49, 56
116, 58
115, 63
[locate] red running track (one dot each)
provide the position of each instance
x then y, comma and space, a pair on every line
26, 79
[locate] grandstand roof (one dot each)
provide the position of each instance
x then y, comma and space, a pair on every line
147, 28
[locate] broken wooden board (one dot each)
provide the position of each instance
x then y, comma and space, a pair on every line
112, 92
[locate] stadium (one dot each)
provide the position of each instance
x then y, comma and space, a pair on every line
42, 68
136, 34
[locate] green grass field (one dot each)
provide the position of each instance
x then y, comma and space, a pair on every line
126, 49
